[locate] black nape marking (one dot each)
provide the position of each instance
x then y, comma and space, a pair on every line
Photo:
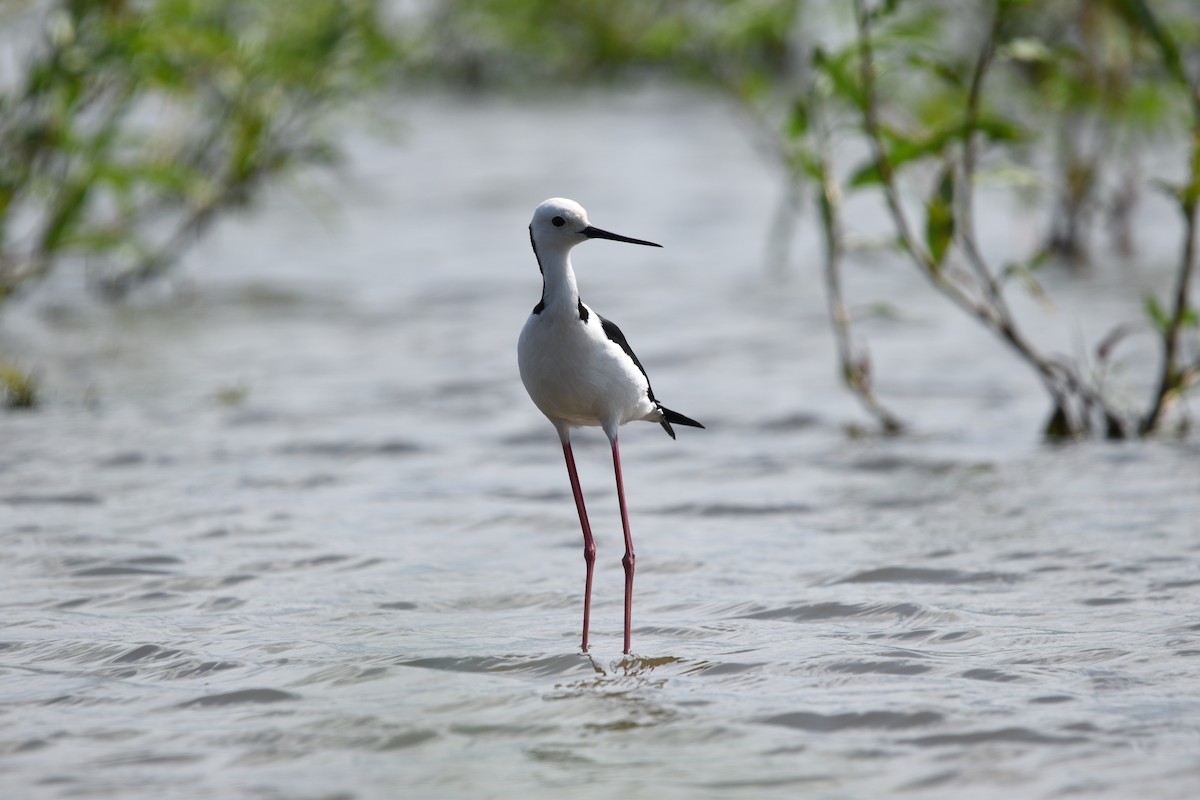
583, 312
541, 306
533, 244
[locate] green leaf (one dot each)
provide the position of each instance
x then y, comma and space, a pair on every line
1139, 15
866, 175
939, 218
938, 67
840, 74
798, 122
888, 7
65, 214
1027, 50
826, 215
905, 149
804, 162
1009, 175
1024, 271
1156, 314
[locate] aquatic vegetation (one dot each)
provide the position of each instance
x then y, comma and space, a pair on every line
131, 126
1080, 406
18, 389
935, 94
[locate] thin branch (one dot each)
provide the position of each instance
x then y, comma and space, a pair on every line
966, 197
870, 112
1170, 379
855, 369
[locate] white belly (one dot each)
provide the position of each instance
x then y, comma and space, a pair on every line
576, 376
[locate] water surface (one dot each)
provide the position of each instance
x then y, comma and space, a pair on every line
289, 527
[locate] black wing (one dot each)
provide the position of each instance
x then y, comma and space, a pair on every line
668, 416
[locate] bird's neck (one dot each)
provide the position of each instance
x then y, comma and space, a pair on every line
559, 291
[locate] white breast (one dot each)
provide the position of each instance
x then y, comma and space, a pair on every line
576, 376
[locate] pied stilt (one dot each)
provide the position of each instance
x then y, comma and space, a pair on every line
579, 369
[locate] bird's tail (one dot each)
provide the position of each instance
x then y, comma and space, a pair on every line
669, 416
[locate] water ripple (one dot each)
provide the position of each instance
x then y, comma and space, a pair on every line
828, 723
240, 697
928, 575
733, 509
804, 612
1012, 735
548, 665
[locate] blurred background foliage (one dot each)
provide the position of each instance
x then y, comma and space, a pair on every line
131, 125
1082, 80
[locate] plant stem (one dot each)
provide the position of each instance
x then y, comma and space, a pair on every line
855, 370
966, 194
1171, 379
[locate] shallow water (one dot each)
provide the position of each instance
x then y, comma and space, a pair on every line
292, 529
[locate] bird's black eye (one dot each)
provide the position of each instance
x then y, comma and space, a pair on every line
558, 222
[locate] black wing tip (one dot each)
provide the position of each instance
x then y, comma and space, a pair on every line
669, 416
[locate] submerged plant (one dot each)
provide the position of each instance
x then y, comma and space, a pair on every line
17, 387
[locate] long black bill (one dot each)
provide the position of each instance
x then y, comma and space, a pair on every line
593, 232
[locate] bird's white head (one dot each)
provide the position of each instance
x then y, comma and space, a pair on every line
559, 223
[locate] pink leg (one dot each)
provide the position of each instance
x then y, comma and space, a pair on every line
589, 545
628, 560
